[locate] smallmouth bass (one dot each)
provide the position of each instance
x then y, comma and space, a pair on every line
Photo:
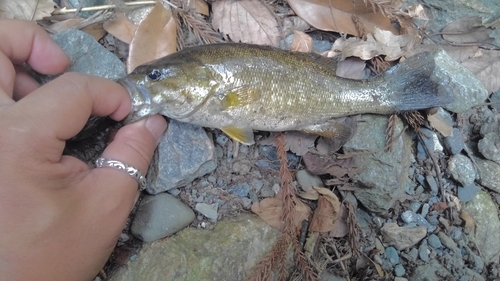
239, 88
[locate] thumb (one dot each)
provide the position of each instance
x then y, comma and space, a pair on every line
134, 145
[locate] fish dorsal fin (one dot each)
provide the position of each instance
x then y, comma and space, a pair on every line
239, 96
243, 135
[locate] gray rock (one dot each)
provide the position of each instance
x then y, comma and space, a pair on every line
425, 209
208, 210
240, 190
241, 167
486, 235
472, 275
386, 173
431, 271
327, 276
226, 253
467, 90
423, 251
432, 183
454, 143
411, 217
431, 141
467, 193
160, 216
415, 206
495, 99
392, 255
434, 241
306, 180
266, 192
402, 237
185, 153
399, 270
447, 241
489, 173
88, 56
489, 146
462, 169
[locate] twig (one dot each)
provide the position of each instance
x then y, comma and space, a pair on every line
65, 11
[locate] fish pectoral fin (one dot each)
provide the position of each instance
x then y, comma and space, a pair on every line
330, 129
243, 135
238, 96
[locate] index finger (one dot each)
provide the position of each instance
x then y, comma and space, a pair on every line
24, 41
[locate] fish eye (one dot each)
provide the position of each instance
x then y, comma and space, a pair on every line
155, 75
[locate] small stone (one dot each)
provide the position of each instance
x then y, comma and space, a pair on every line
425, 209
256, 184
306, 180
402, 237
455, 143
413, 255
462, 169
392, 255
159, 216
415, 206
208, 210
222, 139
447, 241
378, 245
399, 270
489, 173
495, 100
434, 241
431, 182
478, 262
241, 168
456, 233
212, 179
219, 152
266, 192
423, 252
467, 193
246, 202
489, 146
240, 190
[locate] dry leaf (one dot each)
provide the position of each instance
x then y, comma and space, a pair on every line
467, 30
155, 37
201, 7
338, 15
121, 28
248, 21
469, 221
65, 25
301, 42
310, 194
441, 125
380, 43
299, 143
270, 210
31, 10
486, 66
323, 217
340, 226
95, 30
352, 68
331, 197
319, 165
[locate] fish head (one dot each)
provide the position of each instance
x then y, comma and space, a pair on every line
173, 90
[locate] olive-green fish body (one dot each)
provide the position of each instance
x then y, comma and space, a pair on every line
240, 88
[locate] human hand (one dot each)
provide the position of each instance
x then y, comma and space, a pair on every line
59, 219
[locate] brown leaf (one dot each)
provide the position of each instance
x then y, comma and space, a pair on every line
95, 30
201, 7
301, 42
319, 165
31, 10
154, 38
248, 21
121, 28
467, 30
310, 194
441, 125
485, 64
338, 15
340, 226
299, 143
270, 210
323, 217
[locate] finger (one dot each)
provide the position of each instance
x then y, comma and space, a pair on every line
62, 106
23, 85
24, 41
134, 145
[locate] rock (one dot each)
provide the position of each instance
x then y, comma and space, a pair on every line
386, 174
306, 180
400, 279
399, 270
431, 271
454, 143
241, 167
423, 251
88, 56
266, 192
402, 237
432, 183
226, 253
447, 241
185, 153
208, 210
489, 146
410, 217
467, 90
486, 235
495, 99
430, 140
434, 241
270, 153
160, 216
327, 276
240, 190
462, 169
392, 255
467, 193
489, 173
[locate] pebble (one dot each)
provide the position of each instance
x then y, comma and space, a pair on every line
495, 99
402, 237
306, 180
174, 191
447, 241
241, 167
246, 202
413, 254
240, 190
423, 252
159, 216
266, 192
456, 233
222, 139
425, 209
208, 210
399, 270
410, 217
489, 173
431, 182
415, 206
455, 143
392, 255
467, 193
269, 152
434, 241
462, 169
489, 146
256, 184
219, 152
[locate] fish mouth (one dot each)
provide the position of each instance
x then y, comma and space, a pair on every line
142, 100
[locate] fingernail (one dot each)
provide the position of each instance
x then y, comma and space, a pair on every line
156, 125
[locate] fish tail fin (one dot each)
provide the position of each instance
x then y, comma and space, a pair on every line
412, 84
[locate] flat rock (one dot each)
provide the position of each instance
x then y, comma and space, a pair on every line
226, 253
489, 146
159, 216
431, 271
402, 237
383, 173
489, 173
185, 153
486, 235
454, 143
462, 169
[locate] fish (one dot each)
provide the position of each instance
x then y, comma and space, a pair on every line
239, 88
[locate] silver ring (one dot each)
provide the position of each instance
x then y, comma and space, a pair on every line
134, 172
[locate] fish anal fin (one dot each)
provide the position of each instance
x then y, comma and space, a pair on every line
240, 96
243, 135
330, 129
